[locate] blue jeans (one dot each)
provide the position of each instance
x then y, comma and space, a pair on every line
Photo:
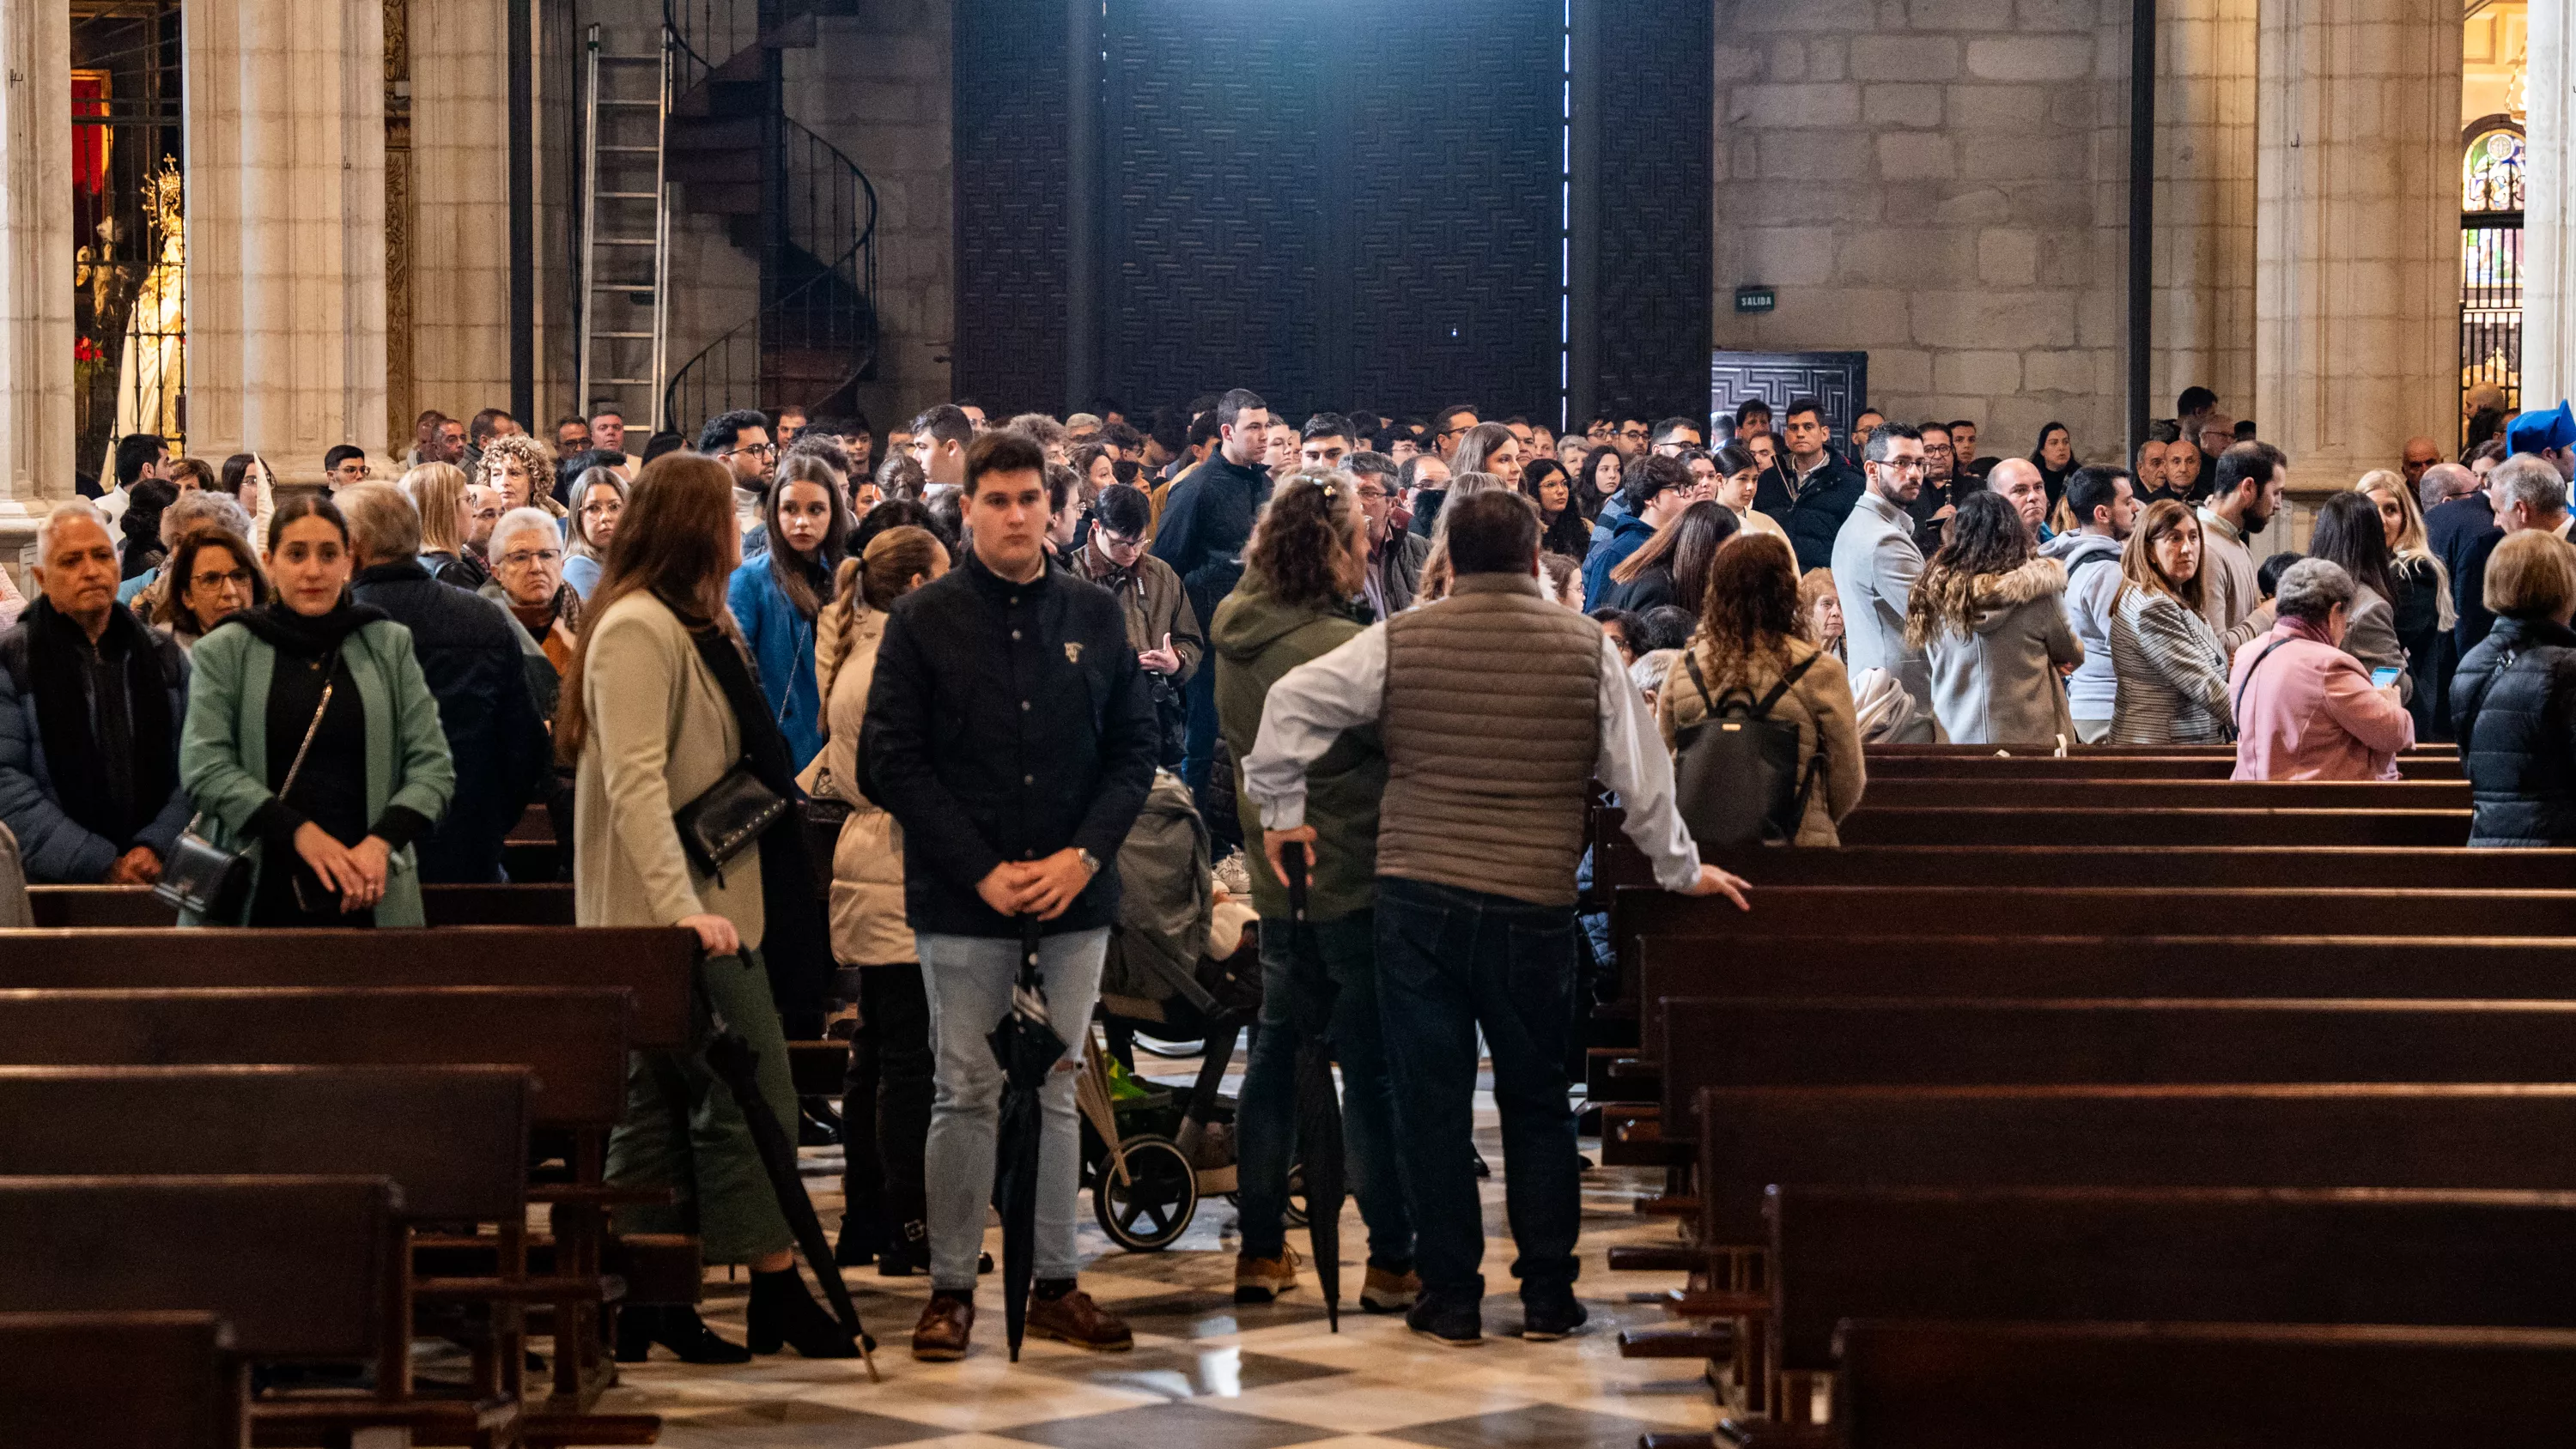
969, 980
1266, 1116
1450, 961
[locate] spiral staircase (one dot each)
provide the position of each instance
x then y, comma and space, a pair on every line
787, 197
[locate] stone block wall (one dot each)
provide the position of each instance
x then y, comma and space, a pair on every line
1941, 184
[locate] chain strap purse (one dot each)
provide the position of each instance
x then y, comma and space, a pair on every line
205, 878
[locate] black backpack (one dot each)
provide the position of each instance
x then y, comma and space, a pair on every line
1736, 772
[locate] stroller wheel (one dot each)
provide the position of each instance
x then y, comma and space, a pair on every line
1170, 1050
1153, 1207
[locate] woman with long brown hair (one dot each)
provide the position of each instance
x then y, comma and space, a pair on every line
886, 1098
1673, 566
2168, 666
1987, 614
659, 706
776, 597
1749, 639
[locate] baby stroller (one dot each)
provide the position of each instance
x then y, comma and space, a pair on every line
1150, 1150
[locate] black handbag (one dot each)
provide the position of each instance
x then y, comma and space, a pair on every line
1736, 778
726, 818
202, 876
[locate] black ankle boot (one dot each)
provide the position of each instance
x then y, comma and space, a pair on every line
783, 1314
676, 1327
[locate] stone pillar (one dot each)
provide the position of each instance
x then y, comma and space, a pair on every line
2204, 248
460, 213
2356, 295
286, 223
35, 267
2549, 215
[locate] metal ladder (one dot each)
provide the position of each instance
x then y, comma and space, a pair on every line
625, 230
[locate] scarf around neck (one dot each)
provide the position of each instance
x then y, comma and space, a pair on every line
108, 800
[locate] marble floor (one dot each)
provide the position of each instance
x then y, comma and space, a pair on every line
1206, 1374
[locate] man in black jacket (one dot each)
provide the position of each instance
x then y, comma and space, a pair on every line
470, 654
1205, 524
1809, 491
1010, 733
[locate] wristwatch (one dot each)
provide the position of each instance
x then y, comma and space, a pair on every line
1090, 862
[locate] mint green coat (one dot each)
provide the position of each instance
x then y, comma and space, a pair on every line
223, 750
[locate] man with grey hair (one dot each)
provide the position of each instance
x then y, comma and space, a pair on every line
2441, 483
469, 652
2528, 492
91, 704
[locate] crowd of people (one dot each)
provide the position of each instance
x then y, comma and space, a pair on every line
1395, 657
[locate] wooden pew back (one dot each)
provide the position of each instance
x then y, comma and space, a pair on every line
296, 1265
2158, 867
2343, 1135
573, 1042
652, 964
2163, 1255
453, 1139
141, 1380
1763, 1042
2122, 1386
1875, 823
2092, 766
2147, 795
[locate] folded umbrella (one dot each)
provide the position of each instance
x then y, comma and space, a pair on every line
1028, 1047
1319, 1111
737, 1065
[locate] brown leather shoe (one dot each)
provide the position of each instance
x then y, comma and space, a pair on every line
946, 1322
1076, 1320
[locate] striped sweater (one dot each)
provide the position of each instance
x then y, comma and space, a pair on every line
2171, 673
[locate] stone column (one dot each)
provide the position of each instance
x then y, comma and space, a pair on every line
460, 219
35, 267
2549, 215
286, 222
2204, 261
2356, 287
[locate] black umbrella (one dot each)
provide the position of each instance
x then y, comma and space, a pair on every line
1319, 1111
1028, 1047
737, 1065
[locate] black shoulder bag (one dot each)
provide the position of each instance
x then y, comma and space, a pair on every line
1737, 777
205, 878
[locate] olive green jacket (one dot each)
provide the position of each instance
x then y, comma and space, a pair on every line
223, 749
1256, 640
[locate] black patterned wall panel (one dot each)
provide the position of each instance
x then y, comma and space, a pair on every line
1658, 134
1455, 206
1010, 167
1839, 380
1215, 235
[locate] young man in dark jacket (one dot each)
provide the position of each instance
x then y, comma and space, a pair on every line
470, 655
1205, 523
1809, 491
1010, 733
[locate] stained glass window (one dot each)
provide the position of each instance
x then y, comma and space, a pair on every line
2491, 172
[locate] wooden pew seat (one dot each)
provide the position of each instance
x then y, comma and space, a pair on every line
2168, 867
140, 1379
1876, 823
2148, 795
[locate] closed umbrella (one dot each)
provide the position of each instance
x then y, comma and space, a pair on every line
737, 1065
1319, 1110
1027, 1046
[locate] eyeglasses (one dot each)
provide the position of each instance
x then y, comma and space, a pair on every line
1900, 465
521, 558
1372, 495
1118, 540
210, 580
1632, 432
604, 508
757, 450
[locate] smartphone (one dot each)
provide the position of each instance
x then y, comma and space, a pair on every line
2382, 678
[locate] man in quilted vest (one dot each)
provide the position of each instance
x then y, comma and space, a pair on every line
1498, 709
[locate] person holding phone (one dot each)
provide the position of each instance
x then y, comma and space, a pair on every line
1161, 626
2305, 709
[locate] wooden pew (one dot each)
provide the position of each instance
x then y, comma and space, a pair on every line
2144, 795
135, 907
2090, 766
2156, 1386
296, 1267
573, 1041
1877, 824
651, 964
147, 1379
2436, 750
2162, 867
2162, 1255
1767, 1042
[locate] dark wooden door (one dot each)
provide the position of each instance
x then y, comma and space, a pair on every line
1839, 380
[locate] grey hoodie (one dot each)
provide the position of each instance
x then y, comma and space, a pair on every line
2092, 590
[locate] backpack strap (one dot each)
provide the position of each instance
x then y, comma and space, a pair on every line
2236, 707
1787, 682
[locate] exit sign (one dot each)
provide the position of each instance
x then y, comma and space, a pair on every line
1755, 299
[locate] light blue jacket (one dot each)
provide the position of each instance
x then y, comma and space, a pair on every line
782, 647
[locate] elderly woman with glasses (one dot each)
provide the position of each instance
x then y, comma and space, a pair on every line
527, 579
